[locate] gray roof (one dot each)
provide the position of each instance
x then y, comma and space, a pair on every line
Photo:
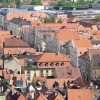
20, 21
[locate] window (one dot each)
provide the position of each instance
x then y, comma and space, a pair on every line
98, 63
34, 74
62, 64
52, 71
40, 64
95, 77
28, 75
57, 64
52, 64
46, 71
42, 71
28, 72
46, 64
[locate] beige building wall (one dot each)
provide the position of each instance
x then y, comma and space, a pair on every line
37, 72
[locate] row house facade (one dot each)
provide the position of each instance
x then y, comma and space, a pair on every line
17, 26
43, 39
89, 64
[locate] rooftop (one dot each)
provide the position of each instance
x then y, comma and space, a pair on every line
20, 21
51, 57
14, 42
80, 94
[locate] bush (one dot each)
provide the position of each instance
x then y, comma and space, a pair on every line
49, 20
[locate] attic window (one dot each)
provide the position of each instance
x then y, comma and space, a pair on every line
40, 64
57, 64
62, 64
52, 64
56, 85
41, 71
46, 64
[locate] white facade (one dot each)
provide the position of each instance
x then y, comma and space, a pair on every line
73, 53
38, 8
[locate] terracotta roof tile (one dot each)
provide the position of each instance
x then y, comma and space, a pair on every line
50, 82
80, 94
41, 97
14, 42
55, 96
39, 14
13, 50
95, 34
25, 15
66, 35
21, 97
72, 20
49, 57
82, 43
67, 72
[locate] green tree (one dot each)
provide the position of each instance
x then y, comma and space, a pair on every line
49, 20
1, 0
82, 2
36, 2
97, 19
17, 2
53, 4
53, 20
62, 3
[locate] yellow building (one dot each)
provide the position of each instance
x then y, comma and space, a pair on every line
44, 65
32, 72
2, 96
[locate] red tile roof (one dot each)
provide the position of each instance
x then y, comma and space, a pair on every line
80, 94
66, 35
14, 42
51, 57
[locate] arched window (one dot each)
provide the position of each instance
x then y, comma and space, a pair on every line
57, 64
46, 64
62, 64
52, 64
40, 64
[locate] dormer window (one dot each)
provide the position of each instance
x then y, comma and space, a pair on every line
57, 64
52, 64
62, 64
40, 64
46, 64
